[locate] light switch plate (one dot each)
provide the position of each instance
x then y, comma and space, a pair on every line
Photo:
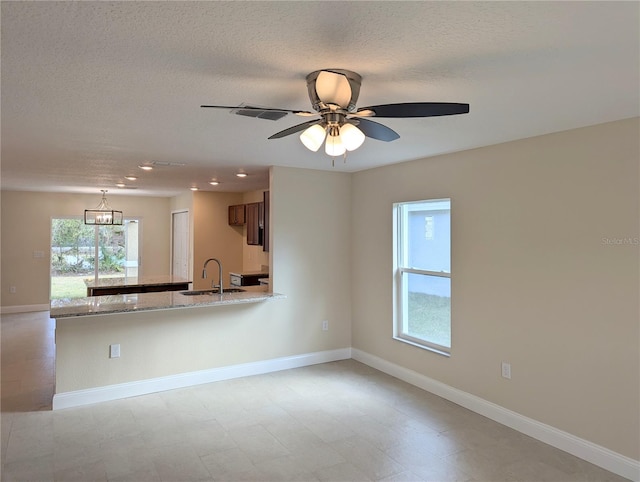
114, 351
506, 370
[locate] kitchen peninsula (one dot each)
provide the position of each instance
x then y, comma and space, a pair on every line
117, 346
150, 301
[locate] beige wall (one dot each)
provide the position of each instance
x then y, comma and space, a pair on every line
214, 238
26, 227
182, 202
311, 260
253, 257
533, 282
310, 254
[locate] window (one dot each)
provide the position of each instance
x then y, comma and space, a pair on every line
80, 252
422, 274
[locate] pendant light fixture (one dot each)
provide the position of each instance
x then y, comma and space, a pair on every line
102, 214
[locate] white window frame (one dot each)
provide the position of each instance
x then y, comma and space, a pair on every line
401, 269
96, 242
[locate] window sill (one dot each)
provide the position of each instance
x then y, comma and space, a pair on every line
424, 347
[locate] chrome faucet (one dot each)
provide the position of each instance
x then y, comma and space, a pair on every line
204, 273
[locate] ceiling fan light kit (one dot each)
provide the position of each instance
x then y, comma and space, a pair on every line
333, 94
313, 137
352, 137
334, 146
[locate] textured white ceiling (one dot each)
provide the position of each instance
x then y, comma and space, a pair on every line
90, 90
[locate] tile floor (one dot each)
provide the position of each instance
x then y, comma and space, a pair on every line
340, 421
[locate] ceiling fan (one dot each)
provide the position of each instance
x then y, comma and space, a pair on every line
333, 94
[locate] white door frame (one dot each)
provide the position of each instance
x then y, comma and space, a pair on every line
186, 237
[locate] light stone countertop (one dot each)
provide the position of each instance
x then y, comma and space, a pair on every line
164, 300
135, 281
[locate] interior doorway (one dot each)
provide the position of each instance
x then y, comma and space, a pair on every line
180, 244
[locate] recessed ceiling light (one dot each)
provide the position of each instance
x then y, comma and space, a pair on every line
121, 184
145, 167
242, 174
131, 178
214, 182
193, 188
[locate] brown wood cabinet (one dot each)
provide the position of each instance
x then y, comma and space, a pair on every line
265, 229
255, 223
247, 278
237, 215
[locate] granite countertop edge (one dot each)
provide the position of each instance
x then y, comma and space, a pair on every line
166, 300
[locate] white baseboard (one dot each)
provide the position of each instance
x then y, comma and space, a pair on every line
593, 453
23, 309
144, 387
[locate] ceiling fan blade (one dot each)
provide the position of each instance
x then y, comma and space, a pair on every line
376, 130
417, 109
303, 113
333, 88
294, 129
364, 112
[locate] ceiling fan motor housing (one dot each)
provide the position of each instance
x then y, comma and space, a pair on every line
348, 99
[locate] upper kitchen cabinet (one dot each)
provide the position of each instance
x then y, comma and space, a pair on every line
255, 223
265, 231
237, 215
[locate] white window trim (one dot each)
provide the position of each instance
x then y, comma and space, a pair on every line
400, 299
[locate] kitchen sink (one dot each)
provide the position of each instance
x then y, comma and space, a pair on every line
211, 292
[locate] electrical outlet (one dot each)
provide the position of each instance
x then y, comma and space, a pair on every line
114, 351
325, 325
12, 290
506, 370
